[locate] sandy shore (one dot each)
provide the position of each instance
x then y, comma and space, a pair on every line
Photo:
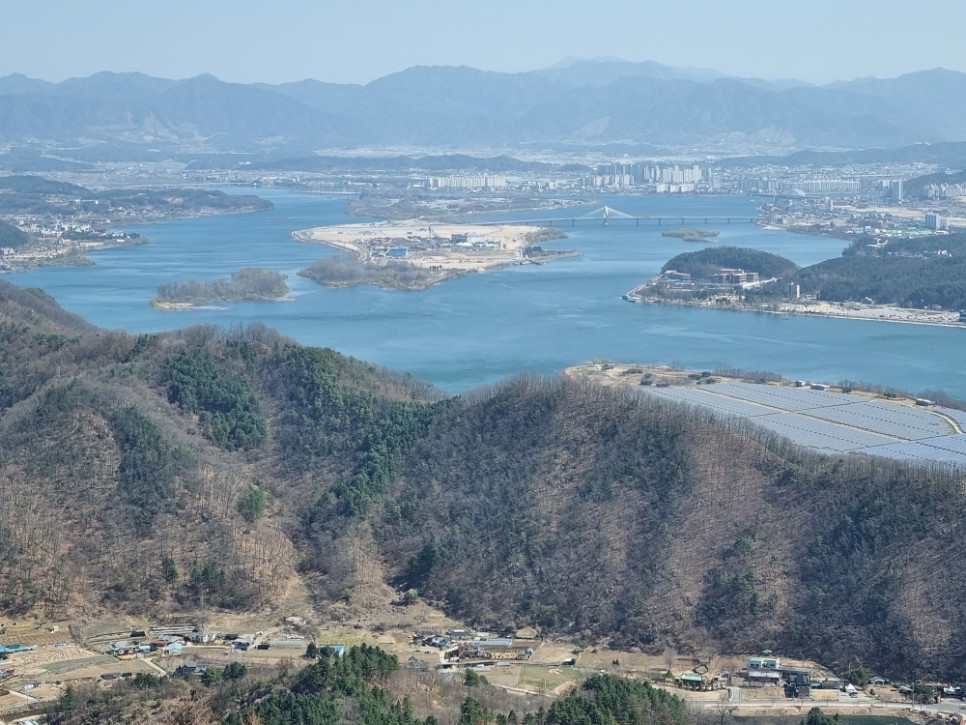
430, 245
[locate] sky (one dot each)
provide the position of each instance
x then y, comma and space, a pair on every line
356, 41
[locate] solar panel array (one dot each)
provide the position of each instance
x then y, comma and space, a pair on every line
889, 419
835, 422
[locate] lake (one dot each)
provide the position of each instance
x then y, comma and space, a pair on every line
484, 327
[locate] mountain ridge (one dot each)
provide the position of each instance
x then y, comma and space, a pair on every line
591, 102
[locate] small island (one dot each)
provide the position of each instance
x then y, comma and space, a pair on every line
416, 254
691, 234
250, 283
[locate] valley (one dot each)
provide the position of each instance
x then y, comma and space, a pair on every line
427, 648
204, 471
299, 425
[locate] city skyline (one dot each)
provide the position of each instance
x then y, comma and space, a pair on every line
245, 42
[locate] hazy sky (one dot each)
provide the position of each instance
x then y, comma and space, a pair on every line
358, 40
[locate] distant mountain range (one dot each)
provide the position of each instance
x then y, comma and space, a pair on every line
581, 102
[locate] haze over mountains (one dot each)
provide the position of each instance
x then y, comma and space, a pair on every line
583, 102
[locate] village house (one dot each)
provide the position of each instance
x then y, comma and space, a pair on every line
497, 648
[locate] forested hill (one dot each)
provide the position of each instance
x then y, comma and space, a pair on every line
702, 263
917, 272
168, 471
916, 186
225, 469
10, 236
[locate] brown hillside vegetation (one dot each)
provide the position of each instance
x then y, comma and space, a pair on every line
211, 469
600, 515
114, 497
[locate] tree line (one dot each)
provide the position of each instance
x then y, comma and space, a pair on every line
360, 686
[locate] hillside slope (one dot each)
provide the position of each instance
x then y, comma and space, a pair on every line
207, 469
917, 272
604, 516
139, 473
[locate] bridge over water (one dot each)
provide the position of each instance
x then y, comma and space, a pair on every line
607, 215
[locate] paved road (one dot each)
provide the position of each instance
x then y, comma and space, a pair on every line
734, 700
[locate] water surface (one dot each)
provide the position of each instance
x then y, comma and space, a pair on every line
484, 327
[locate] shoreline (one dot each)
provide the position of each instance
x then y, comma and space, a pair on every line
75, 253
439, 277
210, 303
827, 310
357, 249
182, 306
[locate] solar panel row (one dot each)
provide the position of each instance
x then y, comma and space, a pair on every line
958, 415
917, 452
898, 421
822, 435
952, 443
790, 399
707, 399
924, 416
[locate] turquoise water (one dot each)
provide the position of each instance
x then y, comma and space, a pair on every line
484, 327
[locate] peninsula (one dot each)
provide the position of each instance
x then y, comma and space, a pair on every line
911, 281
417, 254
53, 223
